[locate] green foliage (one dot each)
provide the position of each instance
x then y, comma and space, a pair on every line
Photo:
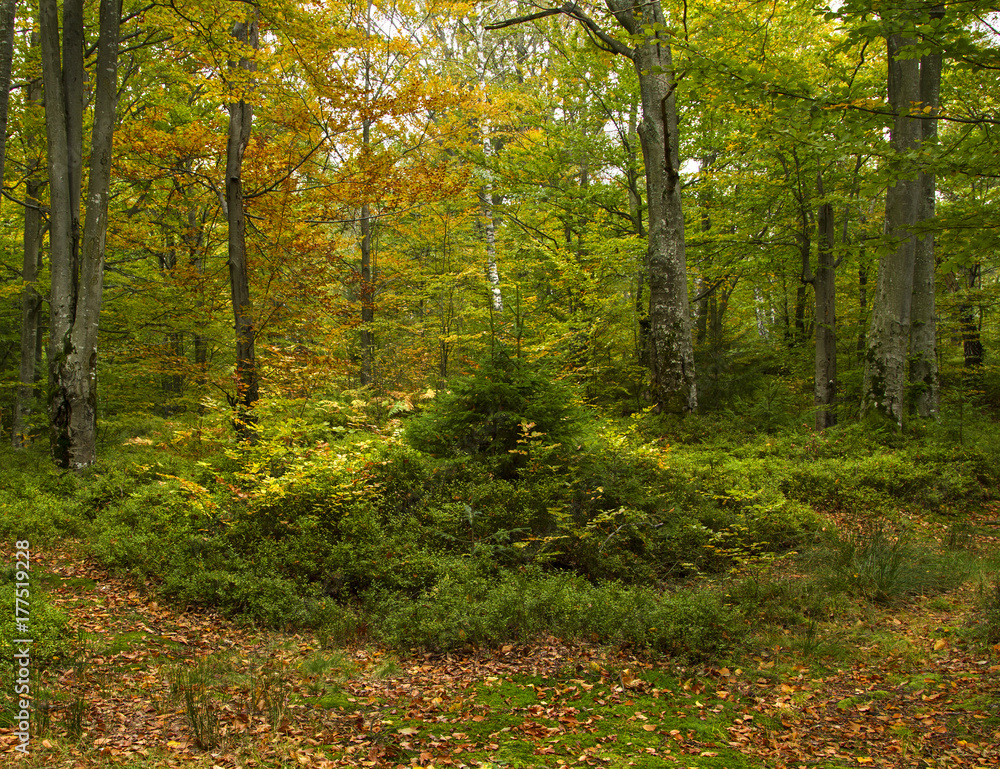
36, 501
51, 642
985, 622
507, 411
468, 608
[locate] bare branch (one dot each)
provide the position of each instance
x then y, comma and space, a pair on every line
601, 38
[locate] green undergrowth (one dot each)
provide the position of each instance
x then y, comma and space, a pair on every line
40, 622
543, 520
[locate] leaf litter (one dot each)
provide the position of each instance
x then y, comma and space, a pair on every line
931, 701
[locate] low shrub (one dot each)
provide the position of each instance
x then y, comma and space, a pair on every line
469, 609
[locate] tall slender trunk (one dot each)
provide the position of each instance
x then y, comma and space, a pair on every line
240, 124
32, 307
923, 330
490, 236
367, 296
972, 344
825, 289
7, 12
862, 307
889, 333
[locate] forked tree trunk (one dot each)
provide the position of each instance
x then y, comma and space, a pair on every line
76, 296
671, 351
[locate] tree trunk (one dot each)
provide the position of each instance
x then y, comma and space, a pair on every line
7, 11
972, 344
889, 333
76, 299
367, 296
490, 236
671, 352
923, 331
32, 307
862, 306
247, 380
825, 290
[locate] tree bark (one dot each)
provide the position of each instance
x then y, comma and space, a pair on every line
671, 352
367, 298
889, 332
490, 236
7, 12
31, 301
247, 378
76, 297
825, 290
923, 329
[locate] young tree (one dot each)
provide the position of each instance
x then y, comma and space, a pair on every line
32, 307
240, 122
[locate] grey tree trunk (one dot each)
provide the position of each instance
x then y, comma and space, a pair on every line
247, 378
7, 11
31, 301
671, 352
888, 335
76, 297
923, 329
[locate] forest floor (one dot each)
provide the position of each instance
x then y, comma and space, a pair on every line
150, 685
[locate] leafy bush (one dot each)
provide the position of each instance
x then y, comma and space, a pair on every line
467, 608
505, 411
47, 629
36, 501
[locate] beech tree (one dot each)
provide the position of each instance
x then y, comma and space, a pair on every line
890, 331
32, 319
77, 258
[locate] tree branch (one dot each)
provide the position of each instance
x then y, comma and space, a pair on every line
603, 39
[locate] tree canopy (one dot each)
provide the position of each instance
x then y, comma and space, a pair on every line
689, 206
